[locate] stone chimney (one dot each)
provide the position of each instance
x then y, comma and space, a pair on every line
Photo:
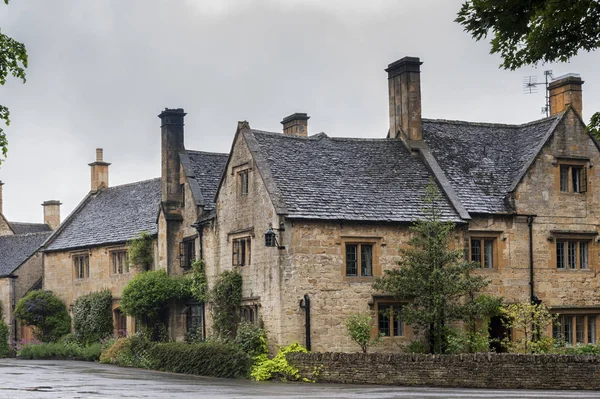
171, 145
566, 90
404, 83
1, 184
52, 213
99, 172
296, 124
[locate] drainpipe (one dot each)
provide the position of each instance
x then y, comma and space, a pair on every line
305, 304
534, 299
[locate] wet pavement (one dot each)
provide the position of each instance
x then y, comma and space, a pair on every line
70, 379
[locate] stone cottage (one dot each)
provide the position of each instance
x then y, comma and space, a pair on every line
21, 265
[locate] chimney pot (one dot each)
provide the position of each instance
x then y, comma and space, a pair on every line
52, 213
296, 124
565, 90
99, 172
404, 86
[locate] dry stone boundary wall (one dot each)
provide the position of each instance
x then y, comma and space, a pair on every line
501, 371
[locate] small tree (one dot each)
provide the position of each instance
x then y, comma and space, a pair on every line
226, 297
432, 279
528, 321
359, 327
46, 313
141, 251
92, 317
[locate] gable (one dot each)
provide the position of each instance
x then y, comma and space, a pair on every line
16, 249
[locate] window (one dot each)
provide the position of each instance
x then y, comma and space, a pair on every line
249, 314
81, 265
389, 320
194, 319
572, 329
359, 260
120, 262
482, 252
243, 182
120, 323
241, 251
572, 254
187, 253
573, 178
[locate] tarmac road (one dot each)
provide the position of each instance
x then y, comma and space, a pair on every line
33, 379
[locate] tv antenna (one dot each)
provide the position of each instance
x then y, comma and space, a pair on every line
530, 85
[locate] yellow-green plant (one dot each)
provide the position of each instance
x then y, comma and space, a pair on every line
359, 328
277, 368
528, 321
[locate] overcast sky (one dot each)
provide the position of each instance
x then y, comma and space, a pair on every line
101, 71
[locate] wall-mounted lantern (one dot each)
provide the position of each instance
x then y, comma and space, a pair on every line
271, 238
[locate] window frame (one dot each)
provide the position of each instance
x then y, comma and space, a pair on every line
395, 308
243, 182
187, 252
241, 251
572, 177
375, 243
81, 270
574, 320
125, 265
483, 239
572, 246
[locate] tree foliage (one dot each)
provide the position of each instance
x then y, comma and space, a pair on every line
4, 332
13, 61
359, 327
528, 321
431, 278
92, 317
46, 313
226, 298
198, 284
594, 126
533, 31
141, 251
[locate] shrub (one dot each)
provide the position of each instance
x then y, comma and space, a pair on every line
92, 317
141, 251
252, 339
46, 313
460, 341
4, 332
130, 352
60, 350
198, 283
226, 297
529, 321
277, 368
359, 329
213, 359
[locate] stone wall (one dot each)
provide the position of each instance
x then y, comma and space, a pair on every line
492, 371
5, 229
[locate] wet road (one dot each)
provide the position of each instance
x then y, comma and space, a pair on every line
69, 379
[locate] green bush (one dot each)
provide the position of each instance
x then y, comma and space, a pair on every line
141, 251
252, 339
579, 349
92, 317
4, 332
212, 359
59, 350
277, 368
129, 352
359, 329
46, 313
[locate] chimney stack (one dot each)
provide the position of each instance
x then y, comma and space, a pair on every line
99, 172
171, 145
404, 84
1, 184
52, 213
296, 124
566, 90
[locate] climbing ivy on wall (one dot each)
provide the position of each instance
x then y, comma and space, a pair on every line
92, 317
141, 251
226, 298
198, 283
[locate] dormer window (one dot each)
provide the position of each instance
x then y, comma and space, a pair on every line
573, 179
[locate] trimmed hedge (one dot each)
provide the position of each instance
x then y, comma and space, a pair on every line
207, 359
62, 351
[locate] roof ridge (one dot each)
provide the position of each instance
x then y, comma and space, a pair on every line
29, 223
207, 152
27, 234
493, 124
323, 136
131, 184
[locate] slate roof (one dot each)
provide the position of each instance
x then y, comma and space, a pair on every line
15, 249
26, 228
346, 179
483, 161
206, 169
113, 215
